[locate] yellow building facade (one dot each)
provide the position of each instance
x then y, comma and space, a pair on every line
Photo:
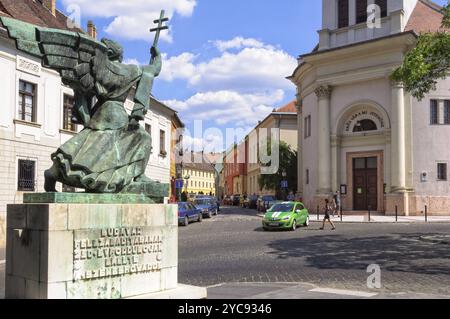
201, 179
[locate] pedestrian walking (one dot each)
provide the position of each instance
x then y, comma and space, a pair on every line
327, 215
337, 204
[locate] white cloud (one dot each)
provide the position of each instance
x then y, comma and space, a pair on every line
239, 43
132, 19
250, 69
225, 107
178, 67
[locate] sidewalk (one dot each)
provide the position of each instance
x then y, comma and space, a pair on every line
379, 219
270, 291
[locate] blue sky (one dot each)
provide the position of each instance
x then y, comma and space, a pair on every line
224, 60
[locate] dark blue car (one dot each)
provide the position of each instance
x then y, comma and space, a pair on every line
187, 212
207, 205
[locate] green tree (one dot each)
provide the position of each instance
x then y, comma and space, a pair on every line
287, 164
428, 62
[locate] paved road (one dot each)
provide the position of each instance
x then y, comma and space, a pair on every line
233, 254
234, 248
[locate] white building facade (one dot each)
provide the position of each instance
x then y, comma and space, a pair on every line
35, 121
360, 133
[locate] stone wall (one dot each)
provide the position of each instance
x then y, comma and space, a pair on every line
2, 231
77, 251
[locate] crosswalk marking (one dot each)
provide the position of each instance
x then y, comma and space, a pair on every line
344, 292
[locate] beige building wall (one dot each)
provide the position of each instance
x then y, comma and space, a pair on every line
287, 125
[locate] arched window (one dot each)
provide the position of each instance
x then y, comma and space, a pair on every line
365, 126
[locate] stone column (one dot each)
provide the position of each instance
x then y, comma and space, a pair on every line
323, 140
300, 137
335, 161
398, 150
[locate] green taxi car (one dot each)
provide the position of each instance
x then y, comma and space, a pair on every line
287, 216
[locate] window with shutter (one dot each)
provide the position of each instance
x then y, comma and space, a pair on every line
361, 11
343, 8
383, 7
26, 176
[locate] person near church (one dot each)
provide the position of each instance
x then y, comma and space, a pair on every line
337, 204
327, 215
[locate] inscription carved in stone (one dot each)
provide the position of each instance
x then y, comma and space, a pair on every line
28, 66
116, 252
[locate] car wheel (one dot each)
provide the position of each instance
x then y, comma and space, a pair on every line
200, 218
307, 222
294, 225
186, 221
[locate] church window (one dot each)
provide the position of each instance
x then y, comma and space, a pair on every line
442, 171
383, 7
343, 8
434, 113
308, 126
447, 112
365, 126
361, 11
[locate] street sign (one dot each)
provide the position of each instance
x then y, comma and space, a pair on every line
284, 184
179, 183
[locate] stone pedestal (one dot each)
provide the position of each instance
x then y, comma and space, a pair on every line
64, 250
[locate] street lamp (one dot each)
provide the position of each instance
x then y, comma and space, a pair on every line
187, 178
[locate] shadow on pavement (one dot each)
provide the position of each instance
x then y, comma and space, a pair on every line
404, 253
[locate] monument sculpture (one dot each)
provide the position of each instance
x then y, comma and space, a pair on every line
111, 153
113, 241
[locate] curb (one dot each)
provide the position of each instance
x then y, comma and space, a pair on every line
338, 221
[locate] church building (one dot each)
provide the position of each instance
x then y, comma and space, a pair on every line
360, 133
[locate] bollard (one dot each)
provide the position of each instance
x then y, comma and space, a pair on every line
369, 213
426, 214
342, 217
318, 212
396, 214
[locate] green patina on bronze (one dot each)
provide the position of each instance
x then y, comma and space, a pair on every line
111, 153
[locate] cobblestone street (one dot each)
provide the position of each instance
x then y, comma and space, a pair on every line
234, 248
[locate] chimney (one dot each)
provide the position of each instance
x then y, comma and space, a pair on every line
91, 29
50, 5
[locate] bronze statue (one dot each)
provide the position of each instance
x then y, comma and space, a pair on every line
111, 153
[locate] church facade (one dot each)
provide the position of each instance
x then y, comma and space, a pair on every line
362, 134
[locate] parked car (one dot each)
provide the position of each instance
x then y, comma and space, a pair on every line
187, 212
236, 200
265, 202
228, 201
207, 205
287, 215
252, 202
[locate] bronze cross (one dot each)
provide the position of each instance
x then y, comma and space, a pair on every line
159, 28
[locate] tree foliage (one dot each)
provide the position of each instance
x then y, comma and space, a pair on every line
287, 163
428, 62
